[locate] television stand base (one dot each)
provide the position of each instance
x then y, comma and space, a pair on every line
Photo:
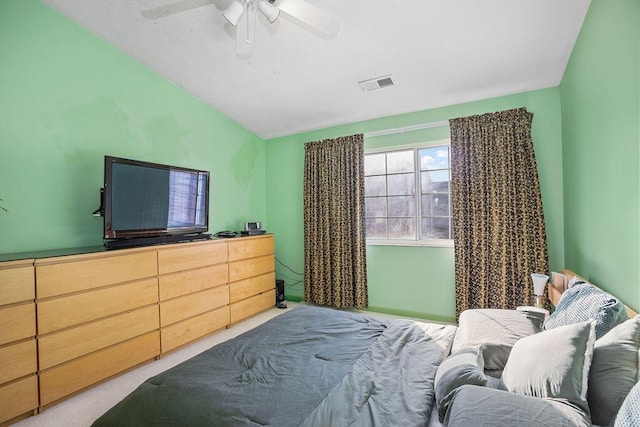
156, 240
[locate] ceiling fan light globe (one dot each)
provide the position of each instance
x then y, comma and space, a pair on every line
233, 12
270, 11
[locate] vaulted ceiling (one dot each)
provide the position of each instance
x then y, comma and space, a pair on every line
437, 52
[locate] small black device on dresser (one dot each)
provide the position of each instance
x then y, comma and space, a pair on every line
226, 233
252, 229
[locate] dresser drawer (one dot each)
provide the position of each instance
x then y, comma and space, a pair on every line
17, 322
244, 269
251, 306
186, 282
18, 398
191, 256
75, 309
254, 285
17, 284
177, 309
72, 343
250, 247
74, 376
196, 327
18, 360
84, 274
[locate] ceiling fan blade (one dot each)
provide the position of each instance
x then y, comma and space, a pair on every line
311, 17
245, 30
174, 8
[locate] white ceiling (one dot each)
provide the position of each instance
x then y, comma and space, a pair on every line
439, 52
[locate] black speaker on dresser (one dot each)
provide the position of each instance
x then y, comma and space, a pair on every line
279, 292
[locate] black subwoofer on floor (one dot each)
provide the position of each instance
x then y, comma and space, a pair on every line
279, 291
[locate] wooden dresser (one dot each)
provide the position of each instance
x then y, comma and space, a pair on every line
252, 277
97, 316
73, 321
18, 354
194, 291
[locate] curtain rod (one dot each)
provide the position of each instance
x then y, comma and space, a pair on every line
407, 129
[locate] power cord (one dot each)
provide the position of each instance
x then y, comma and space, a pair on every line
288, 268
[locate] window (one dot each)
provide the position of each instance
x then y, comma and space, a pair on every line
407, 195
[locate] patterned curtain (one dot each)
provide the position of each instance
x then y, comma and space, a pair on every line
498, 224
335, 272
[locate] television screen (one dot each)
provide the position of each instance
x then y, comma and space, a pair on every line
147, 199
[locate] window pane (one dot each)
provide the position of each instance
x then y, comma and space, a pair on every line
375, 186
435, 228
375, 207
401, 206
434, 158
398, 205
402, 228
401, 185
434, 182
435, 205
400, 161
374, 164
376, 228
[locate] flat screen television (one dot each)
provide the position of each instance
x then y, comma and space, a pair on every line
150, 200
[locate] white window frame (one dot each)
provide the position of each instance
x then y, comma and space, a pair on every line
447, 243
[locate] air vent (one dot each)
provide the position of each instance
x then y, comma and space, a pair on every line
376, 83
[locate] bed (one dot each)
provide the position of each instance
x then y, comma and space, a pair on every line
314, 366
310, 366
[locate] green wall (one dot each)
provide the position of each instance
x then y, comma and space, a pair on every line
67, 98
418, 281
600, 95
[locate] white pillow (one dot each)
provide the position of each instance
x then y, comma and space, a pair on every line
496, 331
553, 363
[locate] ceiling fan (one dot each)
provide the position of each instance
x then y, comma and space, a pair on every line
242, 15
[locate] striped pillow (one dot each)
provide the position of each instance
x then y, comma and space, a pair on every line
629, 414
584, 302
